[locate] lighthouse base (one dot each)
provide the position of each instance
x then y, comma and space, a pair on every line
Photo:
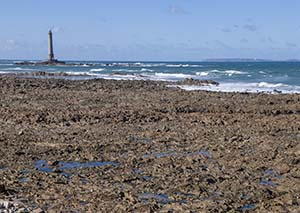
43, 63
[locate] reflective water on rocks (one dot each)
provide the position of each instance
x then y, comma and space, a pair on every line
267, 182
163, 198
2, 168
24, 180
42, 166
248, 207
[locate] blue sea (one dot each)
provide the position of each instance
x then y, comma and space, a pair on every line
270, 77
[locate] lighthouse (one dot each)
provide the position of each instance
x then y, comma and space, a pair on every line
50, 47
51, 61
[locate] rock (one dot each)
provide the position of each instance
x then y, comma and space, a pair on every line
38, 210
171, 143
5, 204
191, 81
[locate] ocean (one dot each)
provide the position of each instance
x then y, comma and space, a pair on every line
269, 77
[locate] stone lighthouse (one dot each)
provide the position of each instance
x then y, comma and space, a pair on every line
51, 61
50, 47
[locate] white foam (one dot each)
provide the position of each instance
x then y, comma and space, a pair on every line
231, 72
244, 87
196, 65
81, 65
228, 72
215, 71
18, 69
177, 65
184, 65
269, 85
81, 73
4, 72
97, 70
154, 65
121, 64
202, 73
146, 70
173, 75
173, 65
121, 77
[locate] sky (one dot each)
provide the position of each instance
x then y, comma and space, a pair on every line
150, 30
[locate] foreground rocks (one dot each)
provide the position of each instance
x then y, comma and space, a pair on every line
121, 146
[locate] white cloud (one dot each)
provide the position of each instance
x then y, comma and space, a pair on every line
244, 40
57, 29
225, 30
251, 27
177, 10
289, 44
9, 44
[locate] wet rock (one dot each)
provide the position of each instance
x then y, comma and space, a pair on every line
104, 146
191, 81
7, 191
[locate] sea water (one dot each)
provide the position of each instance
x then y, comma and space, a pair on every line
282, 77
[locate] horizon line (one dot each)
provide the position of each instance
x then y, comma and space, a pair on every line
233, 59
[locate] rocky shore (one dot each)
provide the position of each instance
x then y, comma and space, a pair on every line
140, 146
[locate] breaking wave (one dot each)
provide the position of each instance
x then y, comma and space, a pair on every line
244, 87
183, 65
174, 75
97, 70
226, 72
18, 69
269, 85
202, 73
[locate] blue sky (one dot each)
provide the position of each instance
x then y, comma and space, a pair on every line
186, 30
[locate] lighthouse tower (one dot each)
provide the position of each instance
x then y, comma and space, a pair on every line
50, 47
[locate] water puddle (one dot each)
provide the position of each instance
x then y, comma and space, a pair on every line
145, 177
83, 203
186, 194
246, 197
2, 168
24, 171
268, 176
248, 207
295, 136
271, 173
24, 180
42, 166
162, 198
267, 182
72, 165
137, 171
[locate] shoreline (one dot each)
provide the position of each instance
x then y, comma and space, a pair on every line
99, 145
187, 84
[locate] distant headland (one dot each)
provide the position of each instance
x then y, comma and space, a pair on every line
247, 60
